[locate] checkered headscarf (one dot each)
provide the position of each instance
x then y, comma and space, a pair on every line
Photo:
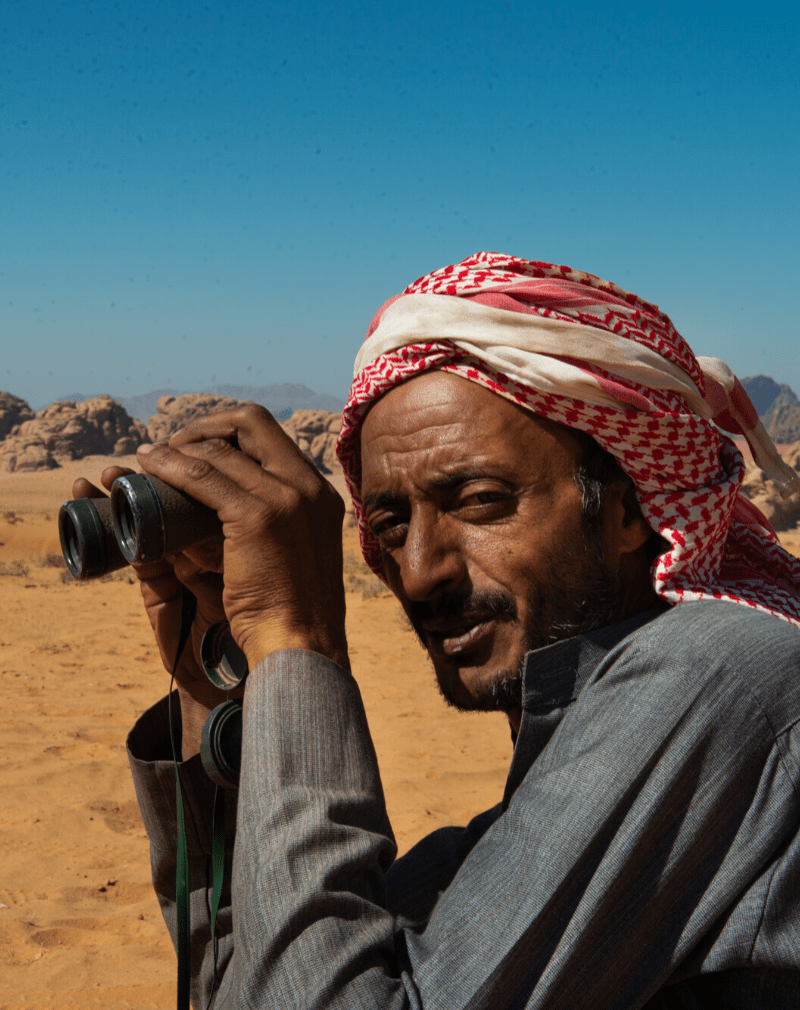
579, 350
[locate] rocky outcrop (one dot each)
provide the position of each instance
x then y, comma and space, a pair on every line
783, 514
174, 412
783, 422
765, 392
777, 406
67, 430
13, 411
315, 432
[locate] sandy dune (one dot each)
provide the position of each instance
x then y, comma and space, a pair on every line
79, 926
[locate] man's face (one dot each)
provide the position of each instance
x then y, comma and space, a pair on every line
479, 518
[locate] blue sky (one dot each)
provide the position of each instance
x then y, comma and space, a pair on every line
225, 191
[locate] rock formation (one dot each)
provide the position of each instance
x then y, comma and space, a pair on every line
783, 514
13, 411
175, 412
763, 391
783, 422
777, 406
67, 430
315, 432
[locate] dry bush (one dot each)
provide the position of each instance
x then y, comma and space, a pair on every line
121, 575
17, 567
358, 577
51, 560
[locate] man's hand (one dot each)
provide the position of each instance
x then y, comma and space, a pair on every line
276, 576
282, 526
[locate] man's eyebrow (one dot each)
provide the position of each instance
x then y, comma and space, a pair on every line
392, 499
459, 477
385, 500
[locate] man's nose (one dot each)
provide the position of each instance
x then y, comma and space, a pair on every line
432, 561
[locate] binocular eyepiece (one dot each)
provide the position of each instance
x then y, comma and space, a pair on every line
143, 521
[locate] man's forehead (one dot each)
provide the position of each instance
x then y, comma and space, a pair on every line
446, 430
436, 413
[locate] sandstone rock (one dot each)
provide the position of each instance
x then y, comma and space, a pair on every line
174, 412
13, 411
17, 455
783, 422
67, 430
315, 432
782, 514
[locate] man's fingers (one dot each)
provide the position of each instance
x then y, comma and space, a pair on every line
253, 430
83, 488
225, 424
110, 474
215, 474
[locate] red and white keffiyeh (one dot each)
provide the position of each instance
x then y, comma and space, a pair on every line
579, 350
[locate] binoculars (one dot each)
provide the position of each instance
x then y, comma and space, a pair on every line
143, 521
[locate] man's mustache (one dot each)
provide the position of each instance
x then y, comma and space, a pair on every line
475, 607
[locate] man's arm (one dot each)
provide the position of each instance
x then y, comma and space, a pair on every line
635, 832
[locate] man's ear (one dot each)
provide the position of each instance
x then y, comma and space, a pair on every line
634, 530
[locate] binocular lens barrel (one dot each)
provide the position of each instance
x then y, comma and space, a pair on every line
88, 543
221, 744
224, 662
152, 519
143, 521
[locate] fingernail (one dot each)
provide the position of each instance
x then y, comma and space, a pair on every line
145, 447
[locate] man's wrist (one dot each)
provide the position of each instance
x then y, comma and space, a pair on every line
268, 638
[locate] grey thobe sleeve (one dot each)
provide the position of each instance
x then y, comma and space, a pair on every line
642, 821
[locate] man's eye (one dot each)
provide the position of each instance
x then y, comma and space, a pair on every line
386, 526
484, 498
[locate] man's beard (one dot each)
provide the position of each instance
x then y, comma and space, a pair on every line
579, 593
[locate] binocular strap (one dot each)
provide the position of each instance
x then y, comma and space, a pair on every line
188, 608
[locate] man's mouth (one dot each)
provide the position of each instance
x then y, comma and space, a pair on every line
452, 638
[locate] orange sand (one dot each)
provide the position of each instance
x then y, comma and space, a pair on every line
79, 925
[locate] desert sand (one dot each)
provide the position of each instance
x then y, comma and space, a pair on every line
79, 925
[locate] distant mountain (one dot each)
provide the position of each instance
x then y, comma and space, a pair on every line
777, 406
765, 391
282, 398
286, 396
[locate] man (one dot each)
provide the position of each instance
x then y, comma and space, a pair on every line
537, 477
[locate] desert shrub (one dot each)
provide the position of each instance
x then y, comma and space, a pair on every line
122, 575
373, 588
359, 578
51, 560
17, 567
353, 565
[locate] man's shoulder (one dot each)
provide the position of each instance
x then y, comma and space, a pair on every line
728, 631
721, 648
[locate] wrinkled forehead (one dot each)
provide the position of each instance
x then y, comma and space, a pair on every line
438, 423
